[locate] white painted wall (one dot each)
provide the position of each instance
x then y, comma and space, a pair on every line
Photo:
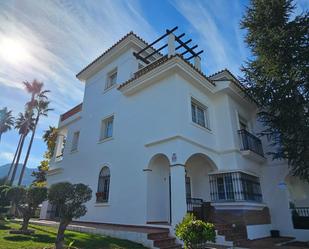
157, 120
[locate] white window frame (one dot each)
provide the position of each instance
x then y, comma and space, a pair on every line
103, 128
194, 112
109, 84
75, 140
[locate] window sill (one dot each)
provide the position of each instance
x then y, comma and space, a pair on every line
105, 140
201, 127
110, 88
101, 204
250, 205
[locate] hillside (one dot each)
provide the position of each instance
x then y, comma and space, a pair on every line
27, 180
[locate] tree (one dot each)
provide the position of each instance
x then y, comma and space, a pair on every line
27, 201
6, 121
41, 107
4, 201
50, 138
24, 124
40, 175
277, 78
69, 199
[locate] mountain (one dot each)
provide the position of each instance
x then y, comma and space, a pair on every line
27, 180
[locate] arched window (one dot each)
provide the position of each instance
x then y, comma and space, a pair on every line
103, 185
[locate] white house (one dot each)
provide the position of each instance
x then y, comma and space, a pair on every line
156, 138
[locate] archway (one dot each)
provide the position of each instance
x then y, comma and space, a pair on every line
198, 166
158, 189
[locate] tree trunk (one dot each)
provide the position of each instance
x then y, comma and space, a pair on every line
60, 236
17, 159
25, 224
28, 151
13, 162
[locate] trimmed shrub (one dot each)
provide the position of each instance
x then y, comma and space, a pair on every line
194, 233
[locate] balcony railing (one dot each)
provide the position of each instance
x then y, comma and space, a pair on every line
195, 206
300, 217
235, 186
250, 142
102, 196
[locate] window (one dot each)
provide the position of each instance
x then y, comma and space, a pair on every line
199, 114
235, 186
60, 146
107, 128
75, 141
103, 185
111, 79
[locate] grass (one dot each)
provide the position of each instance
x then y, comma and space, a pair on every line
45, 237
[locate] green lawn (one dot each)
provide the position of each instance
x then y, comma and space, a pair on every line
45, 237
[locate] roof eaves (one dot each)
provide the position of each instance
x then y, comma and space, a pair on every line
113, 46
157, 63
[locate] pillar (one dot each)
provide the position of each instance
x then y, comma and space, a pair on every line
178, 193
171, 44
197, 62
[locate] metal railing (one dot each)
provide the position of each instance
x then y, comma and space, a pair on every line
300, 217
193, 203
302, 211
235, 186
250, 142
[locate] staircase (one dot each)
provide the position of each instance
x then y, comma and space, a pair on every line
236, 234
163, 240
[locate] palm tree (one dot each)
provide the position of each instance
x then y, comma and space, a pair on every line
41, 107
24, 123
35, 89
6, 121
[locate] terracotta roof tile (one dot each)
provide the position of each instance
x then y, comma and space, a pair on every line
109, 49
157, 63
71, 112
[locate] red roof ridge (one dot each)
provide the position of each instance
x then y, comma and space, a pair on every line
110, 48
71, 112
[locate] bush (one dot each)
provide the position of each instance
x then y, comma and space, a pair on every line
194, 232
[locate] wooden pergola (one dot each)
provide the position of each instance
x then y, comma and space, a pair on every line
181, 45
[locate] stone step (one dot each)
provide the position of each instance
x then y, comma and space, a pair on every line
164, 242
159, 235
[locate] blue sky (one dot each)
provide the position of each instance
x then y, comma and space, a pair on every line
54, 40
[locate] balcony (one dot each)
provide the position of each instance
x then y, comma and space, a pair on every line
251, 146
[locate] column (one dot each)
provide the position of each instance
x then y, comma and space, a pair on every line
171, 44
197, 62
178, 193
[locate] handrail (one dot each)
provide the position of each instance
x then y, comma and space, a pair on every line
250, 142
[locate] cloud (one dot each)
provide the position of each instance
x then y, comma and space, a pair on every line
52, 41
7, 156
216, 25
60, 38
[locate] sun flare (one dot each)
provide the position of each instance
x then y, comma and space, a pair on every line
13, 51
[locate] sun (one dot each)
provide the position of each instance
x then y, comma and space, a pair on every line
13, 50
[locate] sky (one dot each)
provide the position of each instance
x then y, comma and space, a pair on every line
51, 41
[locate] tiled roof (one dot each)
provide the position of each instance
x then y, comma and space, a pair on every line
156, 64
71, 112
108, 50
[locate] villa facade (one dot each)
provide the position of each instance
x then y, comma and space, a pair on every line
157, 138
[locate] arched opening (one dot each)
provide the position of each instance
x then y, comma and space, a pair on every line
198, 166
158, 189
103, 185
